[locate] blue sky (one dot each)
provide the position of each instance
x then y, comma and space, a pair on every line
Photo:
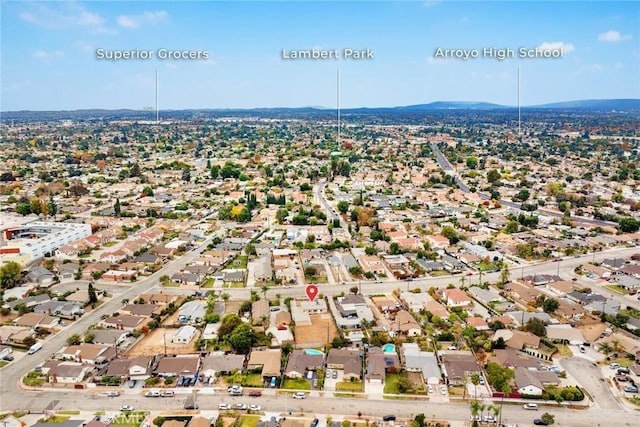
48, 56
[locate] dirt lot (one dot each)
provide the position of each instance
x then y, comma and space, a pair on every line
232, 307
592, 332
154, 344
316, 333
415, 378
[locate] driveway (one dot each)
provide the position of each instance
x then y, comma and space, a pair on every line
590, 377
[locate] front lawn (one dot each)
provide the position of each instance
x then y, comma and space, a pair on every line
617, 289
248, 421
245, 380
350, 386
391, 384
296, 384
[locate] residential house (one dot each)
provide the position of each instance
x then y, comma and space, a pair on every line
218, 363
458, 366
68, 373
182, 365
37, 321
300, 362
416, 360
184, 335
518, 340
125, 323
192, 311
404, 324
533, 382
346, 359
260, 313
378, 363
40, 276
268, 361
457, 298
92, 354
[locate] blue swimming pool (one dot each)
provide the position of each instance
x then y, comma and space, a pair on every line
313, 352
389, 348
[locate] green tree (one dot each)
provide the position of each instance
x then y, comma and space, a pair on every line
186, 175
10, 273
250, 249
229, 324
242, 338
52, 206
493, 176
548, 418
93, 297
343, 206
74, 339
89, 337
504, 275
472, 162
536, 327
550, 305
147, 191
475, 380
117, 208
23, 209
499, 376
475, 407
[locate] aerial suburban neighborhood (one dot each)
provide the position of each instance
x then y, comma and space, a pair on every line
451, 264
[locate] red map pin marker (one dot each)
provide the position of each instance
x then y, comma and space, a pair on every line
312, 292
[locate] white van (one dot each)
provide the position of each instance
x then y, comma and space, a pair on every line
37, 346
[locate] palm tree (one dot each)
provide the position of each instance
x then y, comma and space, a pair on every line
505, 390
504, 275
264, 289
606, 348
496, 411
225, 297
475, 407
475, 380
617, 346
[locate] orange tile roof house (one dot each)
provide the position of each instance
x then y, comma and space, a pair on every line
457, 298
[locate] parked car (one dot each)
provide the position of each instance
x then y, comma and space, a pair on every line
622, 378
151, 393
315, 422
530, 406
489, 419
540, 422
254, 407
241, 407
167, 393
255, 393
126, 408
443, 390
299, 395
224, 406
430, 388
8, 358
389, 418
334, 374
614, 366
631, 389
113, 393
623, 371
191, 405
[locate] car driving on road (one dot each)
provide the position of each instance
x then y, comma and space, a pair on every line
299, 395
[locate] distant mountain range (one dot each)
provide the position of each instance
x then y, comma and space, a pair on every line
605, 105
587, 104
